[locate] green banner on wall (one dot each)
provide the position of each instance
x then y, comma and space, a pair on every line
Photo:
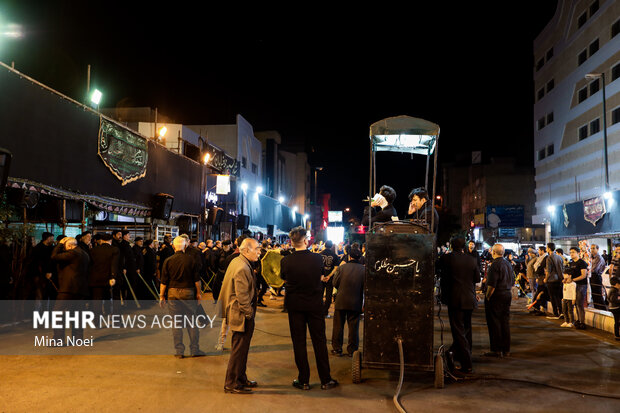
124, 153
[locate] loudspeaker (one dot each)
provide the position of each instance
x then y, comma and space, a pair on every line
215, 216
162, 206
23, 198
270, 230
243, 222
187, 225
51, 210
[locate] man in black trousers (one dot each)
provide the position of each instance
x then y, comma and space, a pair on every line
349, 280
459, 275
500, 279
72, 264
302, 271
103, 272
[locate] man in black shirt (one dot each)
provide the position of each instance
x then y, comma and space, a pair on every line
371, 215
179, 278
500, 279
40, 266
302, 271
330, 262
422, 210
577, 269
459, 275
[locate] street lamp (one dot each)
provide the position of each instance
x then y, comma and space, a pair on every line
95, 97
591, 76
244, 186
259, 190
206, 158
281, 199
162, 132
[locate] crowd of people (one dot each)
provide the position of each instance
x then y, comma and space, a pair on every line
545, 276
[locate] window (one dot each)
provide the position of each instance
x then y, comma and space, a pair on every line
254, 168
594, 87
615, 28
549, 118
615, 72
541, 93
550, 85
244, 162
540, 64
583, 132
595, 126
550, 150
593, 8
541, 123
583, 56
549, 54
541, 154
615, 116
583, 94
582, 19
593, 47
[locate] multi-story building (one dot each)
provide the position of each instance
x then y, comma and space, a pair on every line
581, 39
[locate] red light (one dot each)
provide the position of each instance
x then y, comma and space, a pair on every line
361, 229
472, 224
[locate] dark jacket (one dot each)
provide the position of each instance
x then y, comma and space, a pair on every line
459, 275
349, 280
150, 262
165, 251
128, 258
384, 215
104, 265
197, 256
72, 270
425, 214
138, 257
302, 271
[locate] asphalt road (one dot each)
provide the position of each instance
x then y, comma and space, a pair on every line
544, 357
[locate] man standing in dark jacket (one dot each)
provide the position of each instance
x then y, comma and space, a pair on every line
459, 275
500, 279
72, 281
40, 266
349, 280
103, 273
165, 250
302, 272
150, 261
384, 201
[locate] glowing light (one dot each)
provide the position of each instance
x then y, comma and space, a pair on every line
259, 190
607, 195
244, 186
295, 208
162, 132
96, 97
13, 31
306, 216
281, 199
551, 209
206, 158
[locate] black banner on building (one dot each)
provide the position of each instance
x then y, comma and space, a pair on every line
123, 152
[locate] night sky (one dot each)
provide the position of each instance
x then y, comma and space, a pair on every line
320, 76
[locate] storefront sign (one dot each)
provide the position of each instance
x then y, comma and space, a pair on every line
594, 209
123, 152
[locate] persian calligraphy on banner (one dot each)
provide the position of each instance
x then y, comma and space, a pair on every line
594, 209
123, 152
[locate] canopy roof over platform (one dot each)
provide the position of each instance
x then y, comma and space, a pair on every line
404, 134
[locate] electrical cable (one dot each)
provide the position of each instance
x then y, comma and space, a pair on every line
399, 406
538, 383
273, 334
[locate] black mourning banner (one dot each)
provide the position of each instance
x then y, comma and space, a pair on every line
124, 153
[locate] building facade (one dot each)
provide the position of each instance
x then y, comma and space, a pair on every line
581, 39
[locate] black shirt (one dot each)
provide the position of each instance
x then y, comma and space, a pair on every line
574, 269
302, 272
330, 260
180, 271
500, 274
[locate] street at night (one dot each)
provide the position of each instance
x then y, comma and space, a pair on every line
233, 208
